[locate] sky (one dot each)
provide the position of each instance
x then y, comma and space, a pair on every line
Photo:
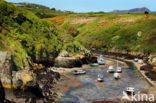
93, 5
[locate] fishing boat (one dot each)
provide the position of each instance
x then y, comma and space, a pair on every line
136, 60
79, 72
116, 76
100, 78
118, 69
101, 61
94, 65
130, 90
111, 69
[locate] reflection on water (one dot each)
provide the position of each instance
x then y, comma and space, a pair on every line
90, 90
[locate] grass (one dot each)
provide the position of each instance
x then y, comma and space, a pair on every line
115, 31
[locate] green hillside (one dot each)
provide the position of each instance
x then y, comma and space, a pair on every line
104, 32
42, 11
30, 39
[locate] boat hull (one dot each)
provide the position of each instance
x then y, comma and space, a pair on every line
119, 71
93, 65
110, 71
99, 80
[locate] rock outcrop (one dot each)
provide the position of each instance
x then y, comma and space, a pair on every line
2, 94
46, 81
74, 61
30, 85
11, 78
5, 67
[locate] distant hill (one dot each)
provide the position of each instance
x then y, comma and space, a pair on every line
131, 11
153, 12
42, 11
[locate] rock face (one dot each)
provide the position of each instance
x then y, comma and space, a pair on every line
11, 78
38, 84
2, 94
46, 80
70, 62
67, 60
5, 66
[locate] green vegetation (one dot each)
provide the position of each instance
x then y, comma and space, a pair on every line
42, 11
30, 39
104, 32
25, 36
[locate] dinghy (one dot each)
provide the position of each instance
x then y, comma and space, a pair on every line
116, 76
130, 90
111, 69
94, 65
101, 61
100, 78
136, 60
79, 72
118, 70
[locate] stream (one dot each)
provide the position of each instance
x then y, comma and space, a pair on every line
91, 90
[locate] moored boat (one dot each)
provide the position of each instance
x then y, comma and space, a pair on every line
101, 61
100, 78
111, 69
118, 70
136, 60
94, 65
116, 76
79, 72
130, 90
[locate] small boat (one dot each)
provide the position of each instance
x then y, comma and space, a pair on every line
100, 78
116, 76
118, 70
79, 72
54, 68
136, 60
94, 65
130, 91
111, 69
101, 61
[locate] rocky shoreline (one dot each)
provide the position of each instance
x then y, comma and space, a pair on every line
43, 82
141, 68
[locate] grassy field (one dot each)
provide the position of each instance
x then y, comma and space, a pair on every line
103, 32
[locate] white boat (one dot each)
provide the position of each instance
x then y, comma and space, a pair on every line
100, 78
101, 61
116, 76
78, 72
118, 69
135, 59
130, 90
111, 69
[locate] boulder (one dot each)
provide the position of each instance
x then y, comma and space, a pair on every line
5, 67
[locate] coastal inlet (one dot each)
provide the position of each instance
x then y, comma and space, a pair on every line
89, 90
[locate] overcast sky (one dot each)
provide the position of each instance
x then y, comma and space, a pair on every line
93, 5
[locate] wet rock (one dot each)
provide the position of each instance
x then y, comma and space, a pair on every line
69, 60
46, 81
146, 67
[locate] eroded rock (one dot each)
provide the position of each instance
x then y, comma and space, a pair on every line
70, 61
46, 81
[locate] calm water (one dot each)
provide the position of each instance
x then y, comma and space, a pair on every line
90, 90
